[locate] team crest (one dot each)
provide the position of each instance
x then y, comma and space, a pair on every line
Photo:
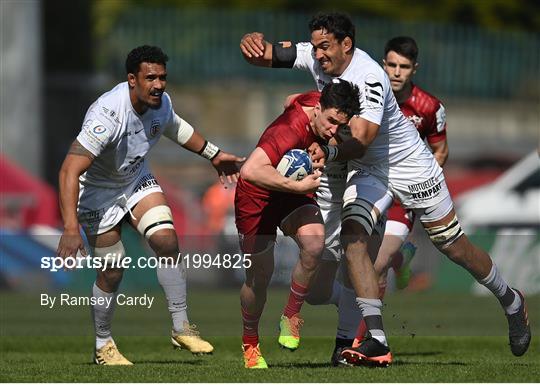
154, 128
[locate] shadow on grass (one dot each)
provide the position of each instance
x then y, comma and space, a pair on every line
161, 362
451, 363
418, 354
310, 365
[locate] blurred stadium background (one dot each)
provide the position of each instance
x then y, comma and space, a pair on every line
481, 58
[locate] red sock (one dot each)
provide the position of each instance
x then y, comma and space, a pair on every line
296, 299
250, 332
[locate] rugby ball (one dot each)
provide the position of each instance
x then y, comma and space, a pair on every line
295, 164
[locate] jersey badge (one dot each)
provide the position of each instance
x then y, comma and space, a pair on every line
155, 127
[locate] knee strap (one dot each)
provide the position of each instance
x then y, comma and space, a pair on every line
155, 219
361, 211
443, 236
110, 254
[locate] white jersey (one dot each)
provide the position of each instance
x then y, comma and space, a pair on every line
397, 137
120, 138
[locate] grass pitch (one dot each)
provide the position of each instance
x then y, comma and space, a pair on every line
434, 338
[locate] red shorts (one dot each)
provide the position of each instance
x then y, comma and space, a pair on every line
398, 214
257, 219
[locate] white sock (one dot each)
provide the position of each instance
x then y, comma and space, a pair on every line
508, 297
173, 281
371, 311
101, 342
349, 314
102, 315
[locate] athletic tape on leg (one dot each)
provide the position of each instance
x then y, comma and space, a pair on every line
110, 254
444, 236
155, 219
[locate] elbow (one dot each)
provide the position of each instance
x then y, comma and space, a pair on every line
246, 173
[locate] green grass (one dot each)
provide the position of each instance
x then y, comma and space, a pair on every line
434, 338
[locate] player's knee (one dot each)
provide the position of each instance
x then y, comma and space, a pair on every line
165, 244
109, 254
353, 232
311, 253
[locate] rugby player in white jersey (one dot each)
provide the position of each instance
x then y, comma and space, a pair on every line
105, 180
387, 160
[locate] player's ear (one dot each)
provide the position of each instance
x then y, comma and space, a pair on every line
347, 44
131, 80
415, 67
384, 62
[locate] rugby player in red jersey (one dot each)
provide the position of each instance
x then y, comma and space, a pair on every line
266, 200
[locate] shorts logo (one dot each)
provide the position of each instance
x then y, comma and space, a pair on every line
425, 190
155, 127
146, 182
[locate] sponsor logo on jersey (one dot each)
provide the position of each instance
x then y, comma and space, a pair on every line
91, 219
155, 127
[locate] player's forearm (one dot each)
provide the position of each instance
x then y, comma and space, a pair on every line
440, 151
268, 178
69, 196
441, 158
198, 144
363, 133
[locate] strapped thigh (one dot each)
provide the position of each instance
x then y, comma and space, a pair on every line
365, 200
444, 235
155, 219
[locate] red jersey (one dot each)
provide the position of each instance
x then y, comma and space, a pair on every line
427, 114
290, 130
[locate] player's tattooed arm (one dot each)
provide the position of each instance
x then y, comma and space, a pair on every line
78, 149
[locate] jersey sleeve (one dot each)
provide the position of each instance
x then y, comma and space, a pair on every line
373, 94
276, 141
437, 131
304, 59
95, 134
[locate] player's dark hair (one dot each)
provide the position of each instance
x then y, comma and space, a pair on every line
147, 54
341, 95
338, 24
404, 46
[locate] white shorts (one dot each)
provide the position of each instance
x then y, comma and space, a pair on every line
330, 201
100, 209
417, 182
330, 198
